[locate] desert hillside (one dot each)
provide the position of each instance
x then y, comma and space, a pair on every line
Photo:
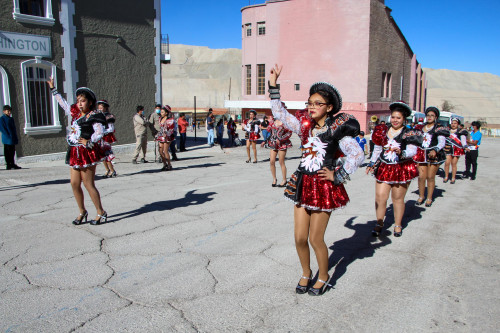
475, 95
209, 74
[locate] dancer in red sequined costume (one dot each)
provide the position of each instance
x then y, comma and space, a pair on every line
430, 155
317, 187
454, 148
252, 127
166, 136
392, 165
108, 138
87, 130
278, 143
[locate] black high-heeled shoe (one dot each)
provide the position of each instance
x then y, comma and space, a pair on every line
274, 183
376, 233
398, 233
303, 289
428, 203
102, 219
80, 220
248, 161
419, 202
320, 291
113, 174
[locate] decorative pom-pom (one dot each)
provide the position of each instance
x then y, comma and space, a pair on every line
379, 136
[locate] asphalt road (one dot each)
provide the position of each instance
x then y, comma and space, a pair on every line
208, 247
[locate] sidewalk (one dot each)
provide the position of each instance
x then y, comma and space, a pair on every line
208, 247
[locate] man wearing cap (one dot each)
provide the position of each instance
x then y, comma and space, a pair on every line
9, 137
141, 134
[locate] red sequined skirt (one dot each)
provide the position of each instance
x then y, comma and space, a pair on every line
284, 145
313, 193
81, 157
165, 139
456, 151
108, 151
422, 156
400, 173
254, 136
110, 138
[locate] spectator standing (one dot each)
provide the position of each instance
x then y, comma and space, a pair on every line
154, 121
220, 132
264, 128
183, 125
472, 151
231, 131
9, 137
210, 123
361, 141
172, 148
141, 138
371, 126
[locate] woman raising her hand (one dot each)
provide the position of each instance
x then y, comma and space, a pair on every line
316, 188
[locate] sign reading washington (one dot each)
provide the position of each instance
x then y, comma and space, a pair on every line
24, 45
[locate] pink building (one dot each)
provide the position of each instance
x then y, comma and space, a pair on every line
354, 44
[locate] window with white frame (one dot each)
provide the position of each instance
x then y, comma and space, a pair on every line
261, 28
34, 12
4, 88
40, 107
248, 28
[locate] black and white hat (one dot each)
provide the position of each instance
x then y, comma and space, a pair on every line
329, 88
432, 109
88, 90
402, 106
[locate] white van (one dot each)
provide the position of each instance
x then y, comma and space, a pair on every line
416, 117
445, 118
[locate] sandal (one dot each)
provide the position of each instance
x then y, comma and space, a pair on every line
452, 181
428, 203
300, 289
419, 202
248, 161
445, 180
398, 233
320, 291
274, 183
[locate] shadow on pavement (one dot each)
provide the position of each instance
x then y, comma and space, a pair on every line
49, 182
358, 246
190, 199
438, 193
159, 166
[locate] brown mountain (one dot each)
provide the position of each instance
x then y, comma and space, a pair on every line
476, 96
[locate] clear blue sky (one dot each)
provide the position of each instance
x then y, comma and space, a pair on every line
461, 35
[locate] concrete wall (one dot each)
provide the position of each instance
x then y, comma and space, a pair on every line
122, 73
202, 72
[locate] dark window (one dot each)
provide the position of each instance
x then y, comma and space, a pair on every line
249, 79
261, 79
248, 27
297, 87
39, 98
32, 7
261, 27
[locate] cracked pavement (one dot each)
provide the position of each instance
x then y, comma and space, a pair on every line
208, 247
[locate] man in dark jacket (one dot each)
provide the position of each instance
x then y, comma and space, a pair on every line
9, 137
